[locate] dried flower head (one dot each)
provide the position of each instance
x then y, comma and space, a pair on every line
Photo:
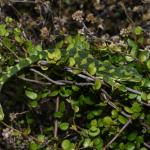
81, 31
90, 18
44, 33
78, 16
12, 116
6, 133
125, 32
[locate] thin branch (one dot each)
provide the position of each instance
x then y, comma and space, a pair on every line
125, 10
46, 77
145, 104
34, 81
61, 81
120, 131
139, 93
133, 91
21, 133
108, 98
76, 83
147, 145
11, 51
80, 75
83, 84
22, 1
56, 121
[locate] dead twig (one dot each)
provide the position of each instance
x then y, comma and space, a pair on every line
47, 78
108, 98
56, 121
22, 1
34, 81
120, 131
147, 145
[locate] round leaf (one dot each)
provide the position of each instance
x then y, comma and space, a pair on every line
64, 126
31, 94
92, 69
1, 113
97, 84
66, 145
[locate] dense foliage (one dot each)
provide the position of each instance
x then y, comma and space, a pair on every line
90, 92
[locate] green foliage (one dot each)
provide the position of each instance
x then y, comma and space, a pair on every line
1, 113
83, 92
67, 145
64, 126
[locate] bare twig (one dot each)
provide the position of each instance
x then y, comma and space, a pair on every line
108, 98
22, 1
22, 113
120, 131
60, 81
147, 145
46, 77
15, 55
139, 93
56, 121
34, 81
133, 91
145, 104
76, 83
125, 10
21, 133
80, 75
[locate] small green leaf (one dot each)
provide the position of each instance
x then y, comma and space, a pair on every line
97, 84
114, 113
31, 94
130, 146
136, 107
94, 131
64, 126
8, 19
92, 69
98, 143
75, 88
64, 92
1, 113
3, 30
132, 96
138, 30
38, 48
33, 146
132, 136
66, 145
132, 44
129, 58
128, 110
18, 39
41, 138
122, 119
143, 56
71, 62
87, 143
144, 96
58, 114
146, 83
148, 97
62, 106
121, 146
94, 122
54, 93
143, 148
148, 64
107, 120
34, 104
